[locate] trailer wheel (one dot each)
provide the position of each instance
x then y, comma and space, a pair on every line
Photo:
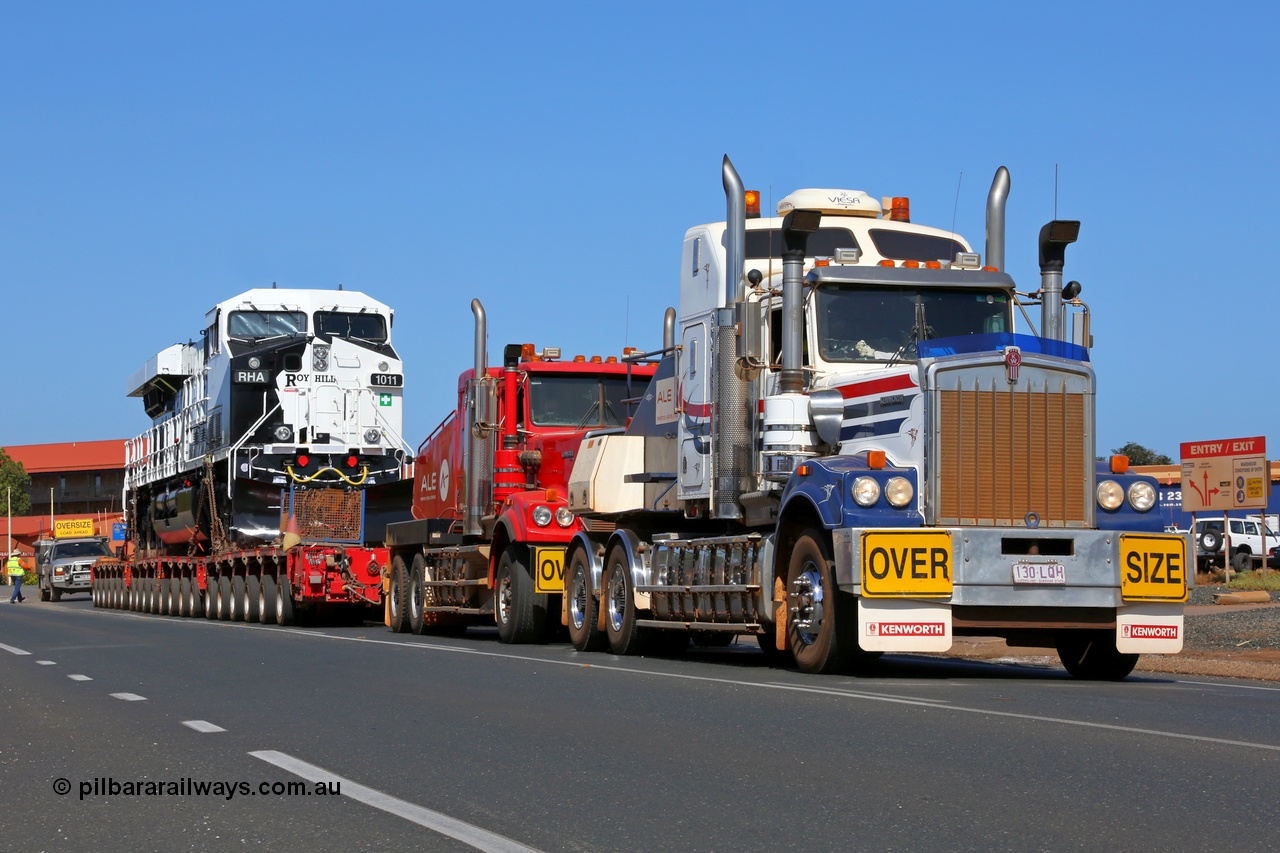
285, 613
625, 638
252, 599
1092, 655
820, 618
224, 599
396, 604
520, 612
269, 592
416, 599
584, 632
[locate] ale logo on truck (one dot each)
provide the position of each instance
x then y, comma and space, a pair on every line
1153, 567
907, 564
72, 527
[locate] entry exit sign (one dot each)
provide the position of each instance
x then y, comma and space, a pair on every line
1229, 473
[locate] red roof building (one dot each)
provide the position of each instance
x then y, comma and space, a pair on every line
79, 479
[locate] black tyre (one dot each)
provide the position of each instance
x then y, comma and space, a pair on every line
417, 593
166, 591
252, 599
1092, 655
520, 612
620, 628
237, 613
182, 593
285, 612
1210, 541
226, 605
397, 606
44, 593
821, 621
1241, 561
270, 589
584, 630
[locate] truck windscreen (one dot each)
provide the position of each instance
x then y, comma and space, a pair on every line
65, 550
857, 323
578, 401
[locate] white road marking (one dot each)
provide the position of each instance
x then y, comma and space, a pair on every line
203, 726
47, 663
79, 678
130, 697
12, 650
473, 836
1236, 686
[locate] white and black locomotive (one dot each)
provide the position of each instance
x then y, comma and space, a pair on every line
290, 406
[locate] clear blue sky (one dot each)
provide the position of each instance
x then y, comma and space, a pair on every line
160, 157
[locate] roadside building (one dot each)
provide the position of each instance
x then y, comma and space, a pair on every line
74, 480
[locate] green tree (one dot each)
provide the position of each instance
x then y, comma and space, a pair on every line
1139, 455
16, 483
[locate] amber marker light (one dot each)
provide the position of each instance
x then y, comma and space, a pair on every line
752, 198
1119, 464
803, 470
876, 459
933, 265
886, 263
900, 209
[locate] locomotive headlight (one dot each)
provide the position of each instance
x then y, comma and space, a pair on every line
320, 358
866, 491
371, 436
283, 433
254, 362
564, 518
1110, 495
1142, 496
542, 516
898, 491
382, 367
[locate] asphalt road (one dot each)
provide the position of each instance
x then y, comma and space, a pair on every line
462, 744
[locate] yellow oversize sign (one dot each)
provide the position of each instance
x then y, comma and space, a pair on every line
1153, 567
906, 564
548, 569
73, 527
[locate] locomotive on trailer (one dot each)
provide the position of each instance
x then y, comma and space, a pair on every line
290, 405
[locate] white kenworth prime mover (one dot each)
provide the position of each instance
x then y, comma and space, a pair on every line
850, 451
290, 406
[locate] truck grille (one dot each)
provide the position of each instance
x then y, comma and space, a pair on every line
1004, 452
325, 515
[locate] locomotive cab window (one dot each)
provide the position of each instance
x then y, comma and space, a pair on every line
257, 326
352, 326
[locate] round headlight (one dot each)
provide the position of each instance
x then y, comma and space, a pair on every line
542, 515
1142, 496
1110, 495
382, 367
866, 491
254, 362
898, 491
284, 432
564, 517
371, 436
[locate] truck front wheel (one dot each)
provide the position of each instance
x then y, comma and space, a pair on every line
1092, 656
520, 612
397, 612
819, 617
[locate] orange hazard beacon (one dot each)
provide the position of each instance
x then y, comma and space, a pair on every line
491, 515
851, 451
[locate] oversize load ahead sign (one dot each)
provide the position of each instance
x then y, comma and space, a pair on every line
72, 527
1226, 474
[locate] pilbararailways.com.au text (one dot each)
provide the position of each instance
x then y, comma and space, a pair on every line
107, 786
